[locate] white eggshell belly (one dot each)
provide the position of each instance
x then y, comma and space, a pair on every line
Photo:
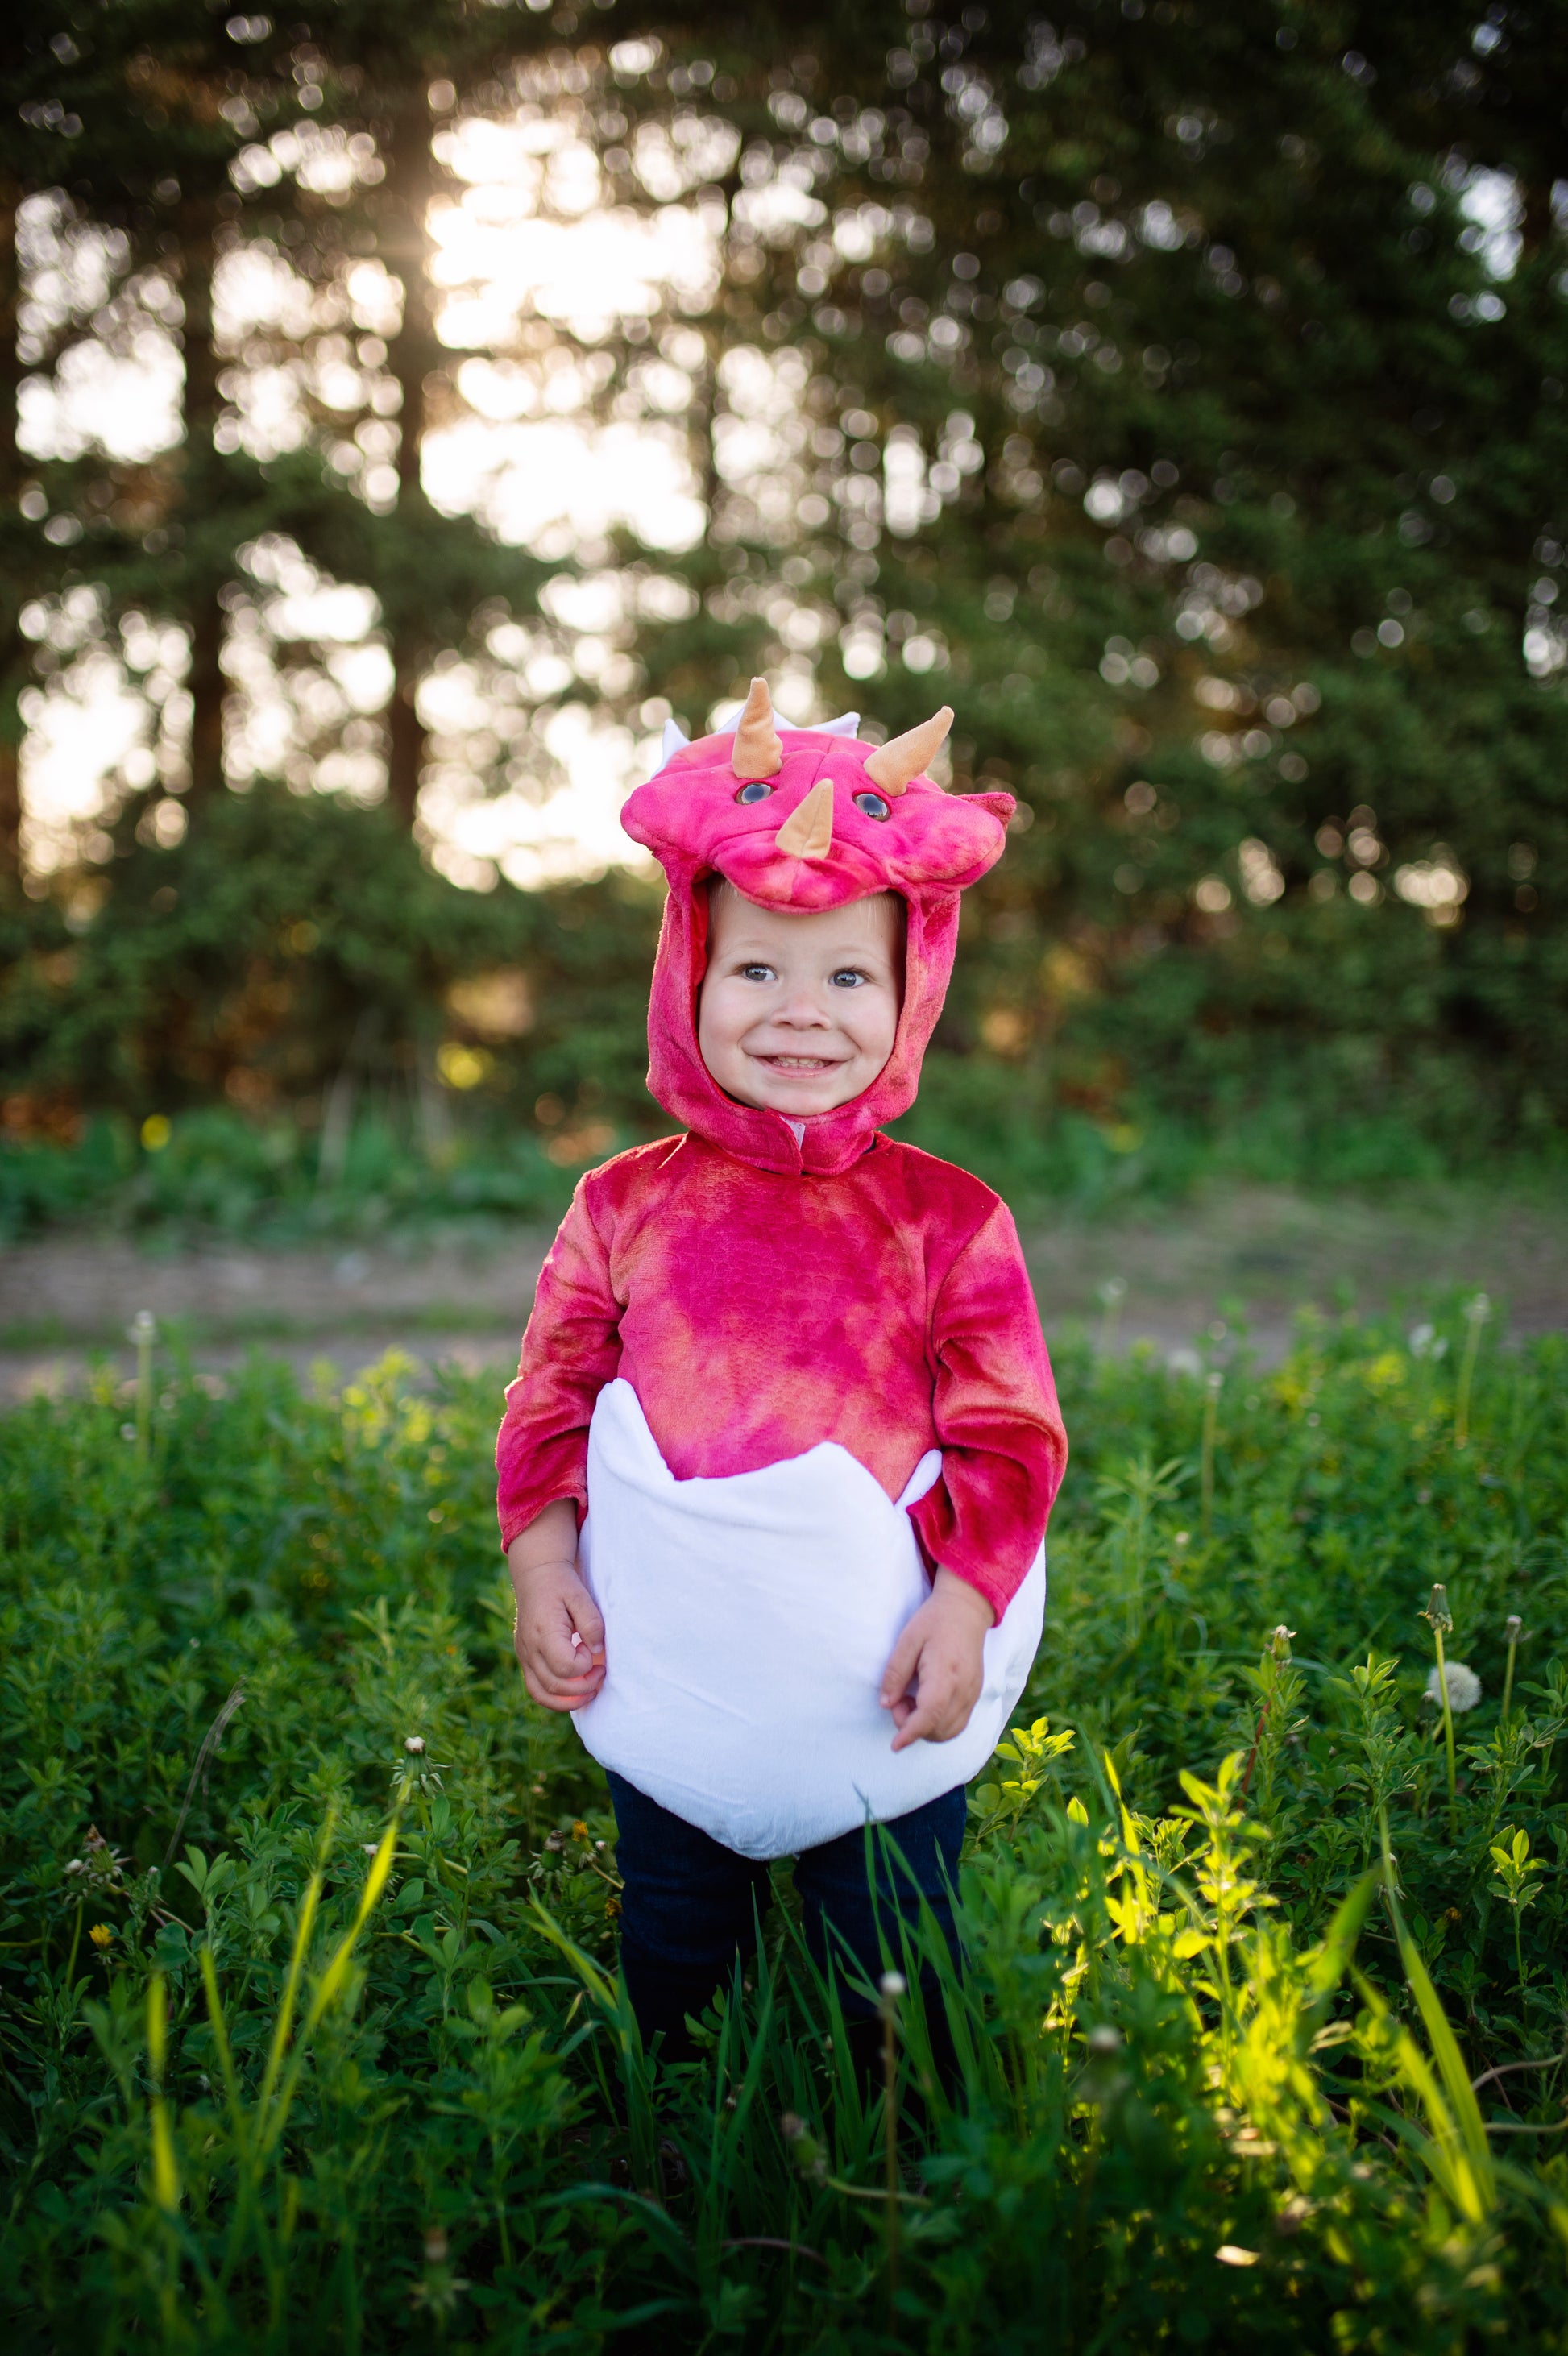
747, 1624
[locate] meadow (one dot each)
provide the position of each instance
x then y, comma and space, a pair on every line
311, 2033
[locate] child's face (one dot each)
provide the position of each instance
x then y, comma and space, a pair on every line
799, 1012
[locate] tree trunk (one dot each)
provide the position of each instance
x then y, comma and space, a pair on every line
413, 358
13, 649
202, 499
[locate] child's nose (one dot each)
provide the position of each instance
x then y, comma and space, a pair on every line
803, 1008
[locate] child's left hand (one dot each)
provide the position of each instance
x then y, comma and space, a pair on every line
932, 1681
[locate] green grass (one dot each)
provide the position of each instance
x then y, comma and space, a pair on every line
219, 1174
312, 2039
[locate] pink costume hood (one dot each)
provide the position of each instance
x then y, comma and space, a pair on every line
806, 819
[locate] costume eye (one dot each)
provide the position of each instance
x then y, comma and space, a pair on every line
873, 804
757, 791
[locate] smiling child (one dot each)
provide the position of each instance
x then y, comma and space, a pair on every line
777, 1465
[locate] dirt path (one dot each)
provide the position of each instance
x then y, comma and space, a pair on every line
1244, 1254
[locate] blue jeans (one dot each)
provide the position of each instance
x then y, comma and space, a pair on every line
690, 1906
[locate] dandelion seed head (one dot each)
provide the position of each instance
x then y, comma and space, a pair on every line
413, 1743
1464, 1687
892, 1984
1104, 2039
1512, 1627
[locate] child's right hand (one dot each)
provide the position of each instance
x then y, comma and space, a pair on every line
560, 1637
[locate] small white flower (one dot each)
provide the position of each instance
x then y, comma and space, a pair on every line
1464, 1687
1104, 2039
413, 1743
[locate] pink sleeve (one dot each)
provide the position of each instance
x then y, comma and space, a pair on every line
998, 1424
569, 1351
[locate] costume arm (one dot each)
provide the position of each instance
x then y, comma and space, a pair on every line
569, 1351
998, 1424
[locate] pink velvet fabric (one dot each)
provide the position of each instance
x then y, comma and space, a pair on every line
761, 1291
930, 847
755, 1314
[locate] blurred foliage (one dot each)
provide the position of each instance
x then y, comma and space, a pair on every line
298, 1004
312, 2037
1178, 391
288, 1025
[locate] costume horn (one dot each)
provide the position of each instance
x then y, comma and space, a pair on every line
807, 831
893, 765
757, 752
675, 737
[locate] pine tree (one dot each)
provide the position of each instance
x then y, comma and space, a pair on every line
1154, 397
1207, 466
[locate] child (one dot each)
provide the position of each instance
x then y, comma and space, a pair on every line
788, 1376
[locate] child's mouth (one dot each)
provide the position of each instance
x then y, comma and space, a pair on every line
799, 1065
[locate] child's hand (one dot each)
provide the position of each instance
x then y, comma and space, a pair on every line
933, 1679
560, 1637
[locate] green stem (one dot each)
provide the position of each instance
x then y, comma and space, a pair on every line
890, 2133
144, 1392
1507, 1677
1448, 1719
1205, 1471
1474, 1318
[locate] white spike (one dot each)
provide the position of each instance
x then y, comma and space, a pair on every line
672, 740
846, 725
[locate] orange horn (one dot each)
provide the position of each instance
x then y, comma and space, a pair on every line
893, 765
807, 831
757, 752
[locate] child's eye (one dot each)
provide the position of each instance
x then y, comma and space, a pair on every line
756, 973
848, 977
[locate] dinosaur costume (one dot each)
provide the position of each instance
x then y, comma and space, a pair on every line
783, 1365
